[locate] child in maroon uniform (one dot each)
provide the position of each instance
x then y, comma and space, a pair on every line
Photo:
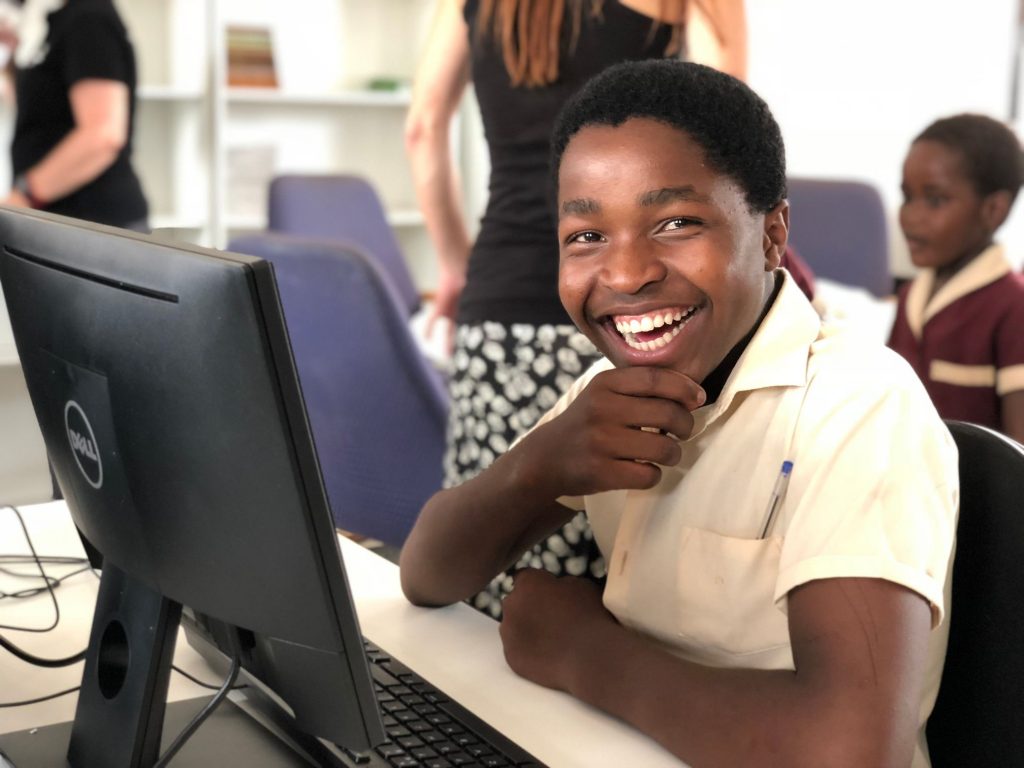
960, 322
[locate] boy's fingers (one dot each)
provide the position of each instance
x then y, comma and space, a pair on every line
656, 382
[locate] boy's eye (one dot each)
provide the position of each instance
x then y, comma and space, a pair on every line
680, 222
584, 237
935, 201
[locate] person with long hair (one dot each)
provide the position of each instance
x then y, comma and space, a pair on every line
515, 349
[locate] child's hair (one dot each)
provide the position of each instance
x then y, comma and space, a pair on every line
734, 126
991, 151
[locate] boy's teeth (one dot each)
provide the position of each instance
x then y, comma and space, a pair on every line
676, 320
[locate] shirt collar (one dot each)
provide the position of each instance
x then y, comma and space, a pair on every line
990, 265
775, 357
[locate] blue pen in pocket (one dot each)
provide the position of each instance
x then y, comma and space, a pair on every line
778, 493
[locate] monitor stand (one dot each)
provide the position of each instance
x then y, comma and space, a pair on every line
120, 717
120, 712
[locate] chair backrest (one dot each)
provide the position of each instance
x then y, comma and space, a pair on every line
978, 718
377, 408
341, 207
840, 229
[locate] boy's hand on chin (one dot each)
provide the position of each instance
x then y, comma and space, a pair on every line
625, 422
546, 620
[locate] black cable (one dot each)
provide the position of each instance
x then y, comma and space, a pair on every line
200, 718
49, 587
52, 581
38, 661
65, 692
41, 698
199, 682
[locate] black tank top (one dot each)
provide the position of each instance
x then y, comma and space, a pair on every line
513, 266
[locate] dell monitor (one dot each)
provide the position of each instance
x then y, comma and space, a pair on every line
163, 382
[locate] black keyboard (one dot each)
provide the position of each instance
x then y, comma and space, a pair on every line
426, 729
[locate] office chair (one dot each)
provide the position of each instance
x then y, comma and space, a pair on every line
345, 208
377, 409
978, 718
840, 229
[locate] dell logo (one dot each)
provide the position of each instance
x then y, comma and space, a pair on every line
83, 444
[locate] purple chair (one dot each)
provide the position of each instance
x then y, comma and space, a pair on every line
377, 408
840, 229
340, 207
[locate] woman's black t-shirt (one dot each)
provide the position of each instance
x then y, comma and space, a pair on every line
86, 39
513, 267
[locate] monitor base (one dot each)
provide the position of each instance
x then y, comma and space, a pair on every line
229, 736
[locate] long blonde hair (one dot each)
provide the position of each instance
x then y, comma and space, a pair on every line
529, 33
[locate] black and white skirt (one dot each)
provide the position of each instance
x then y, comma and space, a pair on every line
503, 379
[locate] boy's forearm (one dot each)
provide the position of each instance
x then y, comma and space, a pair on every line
467, 535
852, 700
722, 717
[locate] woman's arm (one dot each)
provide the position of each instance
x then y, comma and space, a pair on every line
100, 109
441, 78
859, 648
716, 35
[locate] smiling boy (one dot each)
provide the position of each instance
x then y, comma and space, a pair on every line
743, 622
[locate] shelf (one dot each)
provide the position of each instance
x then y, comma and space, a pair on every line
348, 98
168, 93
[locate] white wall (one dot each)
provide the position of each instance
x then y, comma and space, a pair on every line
851, 84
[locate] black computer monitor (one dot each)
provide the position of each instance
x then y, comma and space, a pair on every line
164, 384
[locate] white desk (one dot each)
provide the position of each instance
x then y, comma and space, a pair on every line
455, 648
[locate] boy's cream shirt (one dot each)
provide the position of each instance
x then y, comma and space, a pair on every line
873, 493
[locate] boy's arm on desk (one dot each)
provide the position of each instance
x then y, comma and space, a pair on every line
852, 701
458, 650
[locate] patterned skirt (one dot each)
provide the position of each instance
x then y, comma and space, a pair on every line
503, 379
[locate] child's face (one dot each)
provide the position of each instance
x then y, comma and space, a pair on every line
650, 235
942, 216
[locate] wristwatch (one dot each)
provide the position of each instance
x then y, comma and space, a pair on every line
21, 184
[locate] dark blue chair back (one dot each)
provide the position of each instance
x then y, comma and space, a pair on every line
978, 718
345, 208
377, 408
840, 229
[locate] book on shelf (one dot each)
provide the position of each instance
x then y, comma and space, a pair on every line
250, 57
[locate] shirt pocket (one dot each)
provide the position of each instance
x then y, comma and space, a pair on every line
726, 588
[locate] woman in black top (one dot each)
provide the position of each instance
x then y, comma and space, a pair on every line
75, 82
516, 351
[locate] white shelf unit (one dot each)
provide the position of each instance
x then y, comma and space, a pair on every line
205, 151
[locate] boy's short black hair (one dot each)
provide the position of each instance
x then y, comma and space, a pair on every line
991, 151
732, 123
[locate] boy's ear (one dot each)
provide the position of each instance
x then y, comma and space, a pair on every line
995, 207
776, 233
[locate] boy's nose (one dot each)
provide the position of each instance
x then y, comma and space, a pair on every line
631, 266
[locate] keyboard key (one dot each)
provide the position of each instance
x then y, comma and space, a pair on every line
409, 742
404, 761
